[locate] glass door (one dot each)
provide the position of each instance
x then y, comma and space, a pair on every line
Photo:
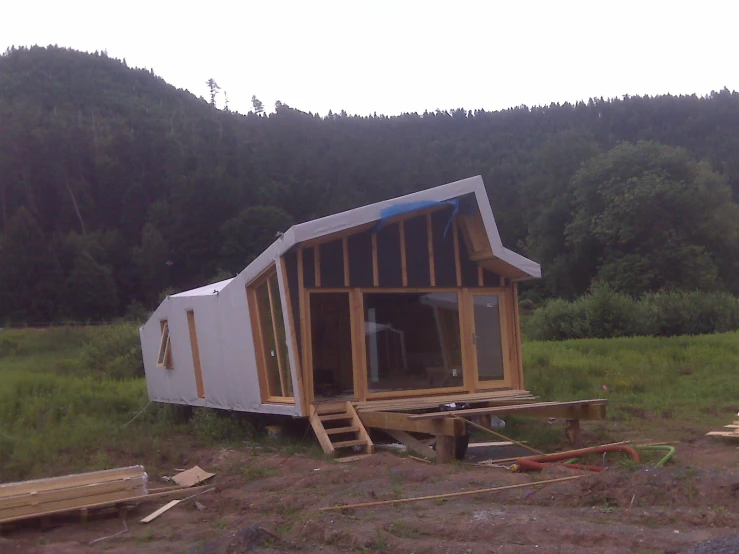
489, 341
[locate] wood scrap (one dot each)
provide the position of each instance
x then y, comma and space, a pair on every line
412, 443
152, 516
192, 476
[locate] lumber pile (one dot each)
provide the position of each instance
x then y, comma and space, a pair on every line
731, 433
42, 497
497, 397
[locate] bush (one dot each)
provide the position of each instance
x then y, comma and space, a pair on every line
606, 314
115, 351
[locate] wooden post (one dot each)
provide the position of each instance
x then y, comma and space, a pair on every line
457, 266
317, 264
375, 270
573, 432
345, 248
430, 237
445, 449
479, 276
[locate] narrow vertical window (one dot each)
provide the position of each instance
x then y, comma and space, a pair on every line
165, 348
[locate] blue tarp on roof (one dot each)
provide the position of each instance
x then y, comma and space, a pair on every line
404, 208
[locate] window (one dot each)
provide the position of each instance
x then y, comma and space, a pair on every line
272, 339
165, 348
412, 341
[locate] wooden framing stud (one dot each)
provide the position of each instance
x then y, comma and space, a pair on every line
345, 249
457, 266
317, 264
430, 237
195, 353
480, 280
375, 267
403, 258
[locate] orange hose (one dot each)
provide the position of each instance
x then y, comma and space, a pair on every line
533, 463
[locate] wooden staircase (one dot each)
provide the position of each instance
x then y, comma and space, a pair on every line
338, 428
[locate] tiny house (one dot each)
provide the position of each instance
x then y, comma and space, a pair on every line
393, 303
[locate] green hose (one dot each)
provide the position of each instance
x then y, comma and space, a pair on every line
668, 456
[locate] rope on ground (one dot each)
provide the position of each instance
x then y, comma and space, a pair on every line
125, 528
137, 415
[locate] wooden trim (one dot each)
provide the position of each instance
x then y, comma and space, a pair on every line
480, 280
519, 349
403, 258
430, 240
278, 353
345, 249
457, 266
281, 399
375, 267
290, 332
317, 264
307, 353
256, 331
359, 370
195, 353
413, 392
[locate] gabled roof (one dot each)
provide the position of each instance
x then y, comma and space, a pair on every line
317, 228
336, 223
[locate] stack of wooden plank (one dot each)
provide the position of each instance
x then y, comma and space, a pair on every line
731, 433
43, 497
496, 397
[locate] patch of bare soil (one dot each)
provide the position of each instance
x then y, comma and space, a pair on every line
268, 502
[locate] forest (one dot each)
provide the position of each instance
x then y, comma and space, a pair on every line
116, 187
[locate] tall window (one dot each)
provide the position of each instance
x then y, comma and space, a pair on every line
165, 347
272, 339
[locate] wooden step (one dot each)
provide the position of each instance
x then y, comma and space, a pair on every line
332, 417
347, 444
324, 408
340, 430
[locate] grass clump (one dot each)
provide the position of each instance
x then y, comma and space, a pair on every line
114, 351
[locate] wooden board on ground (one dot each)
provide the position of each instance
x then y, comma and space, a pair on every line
152, 516
192, 477
412, 443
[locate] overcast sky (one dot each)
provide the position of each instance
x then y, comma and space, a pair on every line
398, 56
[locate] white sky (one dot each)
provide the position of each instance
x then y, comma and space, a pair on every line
397, 56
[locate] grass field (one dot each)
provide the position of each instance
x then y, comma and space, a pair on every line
58, 415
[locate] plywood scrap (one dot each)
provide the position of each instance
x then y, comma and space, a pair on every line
192, 477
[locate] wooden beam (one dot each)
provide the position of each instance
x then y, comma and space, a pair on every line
445, 449
457, 266
412, 443
401, 422
356, 318
579, 409
375, 267
403, 258
430, 240
195, 353
480, 279
345, 249
317, 264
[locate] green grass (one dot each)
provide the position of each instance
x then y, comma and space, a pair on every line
685, 380
60, 413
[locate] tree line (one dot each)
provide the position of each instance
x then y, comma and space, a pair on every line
116, 186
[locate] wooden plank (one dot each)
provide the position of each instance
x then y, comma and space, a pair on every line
102, 504
334, 417
584, 409
320, 432
362, 433
356, 458
430, 240
356, 320
457, 265
400, 422
292, 335
195, 353
152, 516
403, 257
494, 396
412, 443
349, 443
69, 481
345, 249
375, 266
342, 430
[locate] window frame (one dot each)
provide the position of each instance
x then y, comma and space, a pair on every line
164, 354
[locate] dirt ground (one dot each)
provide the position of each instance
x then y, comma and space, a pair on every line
268, 502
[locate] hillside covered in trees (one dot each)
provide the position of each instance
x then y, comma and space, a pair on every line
115, 186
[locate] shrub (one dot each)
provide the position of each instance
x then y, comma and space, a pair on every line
115, 351
606, 314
